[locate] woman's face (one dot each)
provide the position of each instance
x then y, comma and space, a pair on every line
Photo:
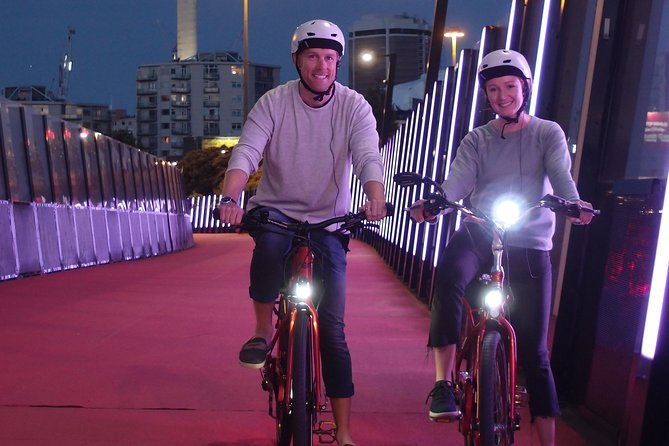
505, 95
318, 67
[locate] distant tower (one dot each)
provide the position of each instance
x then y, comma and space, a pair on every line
65, 65
406, 37
186, 29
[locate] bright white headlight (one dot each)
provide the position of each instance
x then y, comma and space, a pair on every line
303, 290
506, 213
493, 301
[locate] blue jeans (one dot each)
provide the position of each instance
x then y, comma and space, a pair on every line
467, 255
272, 245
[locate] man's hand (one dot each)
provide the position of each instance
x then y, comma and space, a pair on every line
374, 210
230, 213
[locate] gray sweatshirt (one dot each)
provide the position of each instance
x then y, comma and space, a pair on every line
307, 152
528, 164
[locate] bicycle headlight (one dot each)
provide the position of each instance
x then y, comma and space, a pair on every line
506, 212
303, 291
493, 301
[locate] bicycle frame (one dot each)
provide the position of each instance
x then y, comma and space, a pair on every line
470, 350
292, 370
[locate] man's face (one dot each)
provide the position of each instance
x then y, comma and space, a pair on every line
505, 95
318, 67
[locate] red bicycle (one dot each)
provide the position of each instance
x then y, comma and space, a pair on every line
485, 383
292, 371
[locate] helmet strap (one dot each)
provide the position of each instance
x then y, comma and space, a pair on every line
319, 95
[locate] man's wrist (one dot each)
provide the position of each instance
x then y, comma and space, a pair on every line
227, 199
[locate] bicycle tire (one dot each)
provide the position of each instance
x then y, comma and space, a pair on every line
302, 408
283, 426
494, 401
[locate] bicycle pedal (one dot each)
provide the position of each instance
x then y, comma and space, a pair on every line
327, 432
521, 397
446, 420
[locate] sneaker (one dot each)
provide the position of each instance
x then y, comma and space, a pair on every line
253, 353
443, 402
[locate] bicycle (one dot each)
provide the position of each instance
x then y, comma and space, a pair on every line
485, 388
292, 371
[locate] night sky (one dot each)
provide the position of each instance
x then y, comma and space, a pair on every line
113, 37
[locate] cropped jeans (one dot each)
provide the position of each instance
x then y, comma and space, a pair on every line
272, 245
529, 275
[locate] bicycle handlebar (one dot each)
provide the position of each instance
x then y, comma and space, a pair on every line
350, 221
437, 201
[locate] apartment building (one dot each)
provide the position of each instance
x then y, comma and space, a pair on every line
199, 97
408, 38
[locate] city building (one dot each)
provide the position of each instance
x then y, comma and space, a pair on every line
408, 38
200, 97
96, 117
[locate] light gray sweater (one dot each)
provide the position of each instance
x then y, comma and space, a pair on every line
307, 152
528, 163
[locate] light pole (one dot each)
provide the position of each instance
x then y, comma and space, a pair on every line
454, 34
246, 59
387, 119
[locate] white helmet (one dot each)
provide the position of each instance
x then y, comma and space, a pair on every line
500, 63
318, 34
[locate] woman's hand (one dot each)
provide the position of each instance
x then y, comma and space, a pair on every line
420, 214
585, 217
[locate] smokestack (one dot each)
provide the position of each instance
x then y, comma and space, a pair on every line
186, 29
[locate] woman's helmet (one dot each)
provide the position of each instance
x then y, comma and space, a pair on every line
318, 34
500, 63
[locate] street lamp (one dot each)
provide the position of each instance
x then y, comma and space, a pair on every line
368, 57
454, 34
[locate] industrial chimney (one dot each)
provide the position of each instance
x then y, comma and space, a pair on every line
186, 29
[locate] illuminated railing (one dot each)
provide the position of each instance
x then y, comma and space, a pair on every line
70, 197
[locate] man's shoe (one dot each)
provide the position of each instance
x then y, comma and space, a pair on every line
443, 405
253, 353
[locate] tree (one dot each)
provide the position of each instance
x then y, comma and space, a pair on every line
203, 170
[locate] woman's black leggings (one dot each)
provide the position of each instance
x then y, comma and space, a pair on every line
467, 255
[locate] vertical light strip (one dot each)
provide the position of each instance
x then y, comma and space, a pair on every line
510, 27
426, 233
207, 218
201, 212
422, 161
658, 285
442, 112
475, 95
450, 146
215, 223
407, 159
192, 212
397, 149
540, 57
454, 116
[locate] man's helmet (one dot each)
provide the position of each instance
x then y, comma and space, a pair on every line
318, 34
500, 63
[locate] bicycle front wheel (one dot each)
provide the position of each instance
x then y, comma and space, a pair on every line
303, 411
494, 397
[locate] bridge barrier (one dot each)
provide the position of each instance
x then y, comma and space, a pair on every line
71, 197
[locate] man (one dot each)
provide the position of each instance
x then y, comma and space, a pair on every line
309, 134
